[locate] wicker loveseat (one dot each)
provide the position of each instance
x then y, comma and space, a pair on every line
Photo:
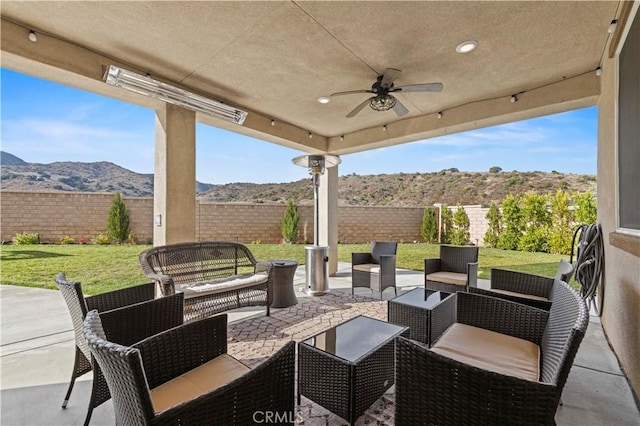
477, 378
214, 276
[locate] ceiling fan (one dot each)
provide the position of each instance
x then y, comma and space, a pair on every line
383, 100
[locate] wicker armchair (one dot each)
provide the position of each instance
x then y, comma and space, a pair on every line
532, 290
184, 376
455, 270
434, 388
375, 270
131, 315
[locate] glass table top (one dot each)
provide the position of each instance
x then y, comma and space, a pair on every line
422, 298
355, 338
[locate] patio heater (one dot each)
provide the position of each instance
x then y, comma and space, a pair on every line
316, 256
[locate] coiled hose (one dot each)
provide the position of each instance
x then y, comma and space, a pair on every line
589, 261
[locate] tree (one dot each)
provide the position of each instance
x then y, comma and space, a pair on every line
586, 208
495, 169
447, 224
460, 231
289, 225
429, 226
536, 220
494, 230
512, 223
118, 221
560, 234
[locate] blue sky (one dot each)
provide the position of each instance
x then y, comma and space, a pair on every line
44, 122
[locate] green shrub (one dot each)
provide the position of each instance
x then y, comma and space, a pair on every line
537, 221
429, 226
561, 234
67, 240
118, 221
289, 224
460, 231
446, 217
512, 223
26, 238
586, 208
494, 229
101, 239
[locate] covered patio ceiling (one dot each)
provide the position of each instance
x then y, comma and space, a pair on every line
276, 58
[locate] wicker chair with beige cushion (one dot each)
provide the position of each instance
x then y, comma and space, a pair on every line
455, 270
375, 270
500, 362
124, 310
185, 376
532, 290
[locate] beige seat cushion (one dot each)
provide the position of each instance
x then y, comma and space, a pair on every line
523, 295
491, 351
448, 278
199, 381
367, 267
220, 285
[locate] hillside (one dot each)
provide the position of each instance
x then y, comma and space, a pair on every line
402, 189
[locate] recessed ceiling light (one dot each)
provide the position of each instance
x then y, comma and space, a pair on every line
324, 99
466, 46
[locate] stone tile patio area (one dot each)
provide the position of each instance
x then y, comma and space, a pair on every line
37, 356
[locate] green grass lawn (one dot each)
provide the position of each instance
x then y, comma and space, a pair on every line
104, 268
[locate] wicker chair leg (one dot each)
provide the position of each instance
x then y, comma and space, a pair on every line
88, 418
73, 379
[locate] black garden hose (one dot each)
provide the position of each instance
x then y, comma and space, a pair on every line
589, 261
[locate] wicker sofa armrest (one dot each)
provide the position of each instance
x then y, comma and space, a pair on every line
472, 274
361, 258
173, 352
502, 316
267, 388
119, 298
130, 324
434, 389
432, 265
520, 282
388, 262
264, 267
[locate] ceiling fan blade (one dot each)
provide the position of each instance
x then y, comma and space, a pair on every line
388, 76
399, 109
426, 87
350, 92
359, 108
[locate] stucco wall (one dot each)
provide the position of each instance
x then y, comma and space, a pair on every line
621, 301
84, 215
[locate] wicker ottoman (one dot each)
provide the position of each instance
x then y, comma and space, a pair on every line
348, 367
427, 313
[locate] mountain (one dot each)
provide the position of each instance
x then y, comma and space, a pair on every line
448, 186
7, 159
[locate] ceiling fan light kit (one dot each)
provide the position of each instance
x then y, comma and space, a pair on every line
382, 88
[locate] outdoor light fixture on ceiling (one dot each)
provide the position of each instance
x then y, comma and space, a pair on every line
382, 102
156, 89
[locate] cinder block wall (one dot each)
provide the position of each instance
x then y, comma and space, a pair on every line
84, 215
478, 223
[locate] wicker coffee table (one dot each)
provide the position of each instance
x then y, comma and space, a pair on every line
348, 367
427, 313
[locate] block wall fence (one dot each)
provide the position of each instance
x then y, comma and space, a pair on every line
83, 215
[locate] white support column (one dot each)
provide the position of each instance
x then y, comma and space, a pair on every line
174, 193
329, 216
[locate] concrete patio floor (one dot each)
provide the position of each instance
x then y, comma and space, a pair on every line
37, 349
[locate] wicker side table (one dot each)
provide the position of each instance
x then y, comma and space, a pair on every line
348, 367
427, 313
283, 293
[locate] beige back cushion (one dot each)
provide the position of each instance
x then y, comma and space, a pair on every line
523, 295
491, 351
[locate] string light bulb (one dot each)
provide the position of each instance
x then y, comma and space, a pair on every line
273, 122
32, 36
341, 138
514, 99
310, 135
598, 71
384, 128
440, 114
